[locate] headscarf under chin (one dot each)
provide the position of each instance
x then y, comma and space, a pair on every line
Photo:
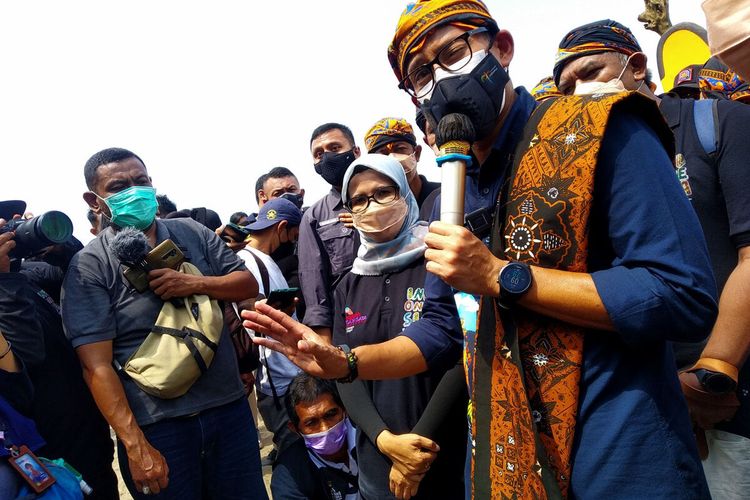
407, 246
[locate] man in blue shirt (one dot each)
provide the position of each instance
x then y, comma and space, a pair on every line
714, 176
647, 281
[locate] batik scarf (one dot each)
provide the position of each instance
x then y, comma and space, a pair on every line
375, 258
545, 89
527, 366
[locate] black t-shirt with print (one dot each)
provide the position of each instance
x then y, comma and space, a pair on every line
717, 185
374, 309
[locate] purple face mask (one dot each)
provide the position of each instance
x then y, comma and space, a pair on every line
328, 442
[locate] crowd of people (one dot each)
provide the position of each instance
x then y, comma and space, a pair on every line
584, 334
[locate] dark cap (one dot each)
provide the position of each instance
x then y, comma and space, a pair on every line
9, 208
275, 211
688, 77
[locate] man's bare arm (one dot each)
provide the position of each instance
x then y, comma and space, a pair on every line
235, 286
147, 466
730, 337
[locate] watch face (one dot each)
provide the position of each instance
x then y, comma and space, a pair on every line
515, 278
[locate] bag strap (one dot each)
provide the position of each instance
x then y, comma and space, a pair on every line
266, 280
185, 334
264, 277
705, 116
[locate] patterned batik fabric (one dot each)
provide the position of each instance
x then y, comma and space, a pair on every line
526, 366
545, 89
424, 15
593, 38
741, 94
725, 82
388, 130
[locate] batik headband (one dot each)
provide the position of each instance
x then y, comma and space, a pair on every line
389, 130
594, 38
425, 15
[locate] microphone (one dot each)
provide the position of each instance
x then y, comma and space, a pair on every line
454, 136
130, 246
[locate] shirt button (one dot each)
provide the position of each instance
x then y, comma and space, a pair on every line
486, 191
387, 281
344, 229
387, 299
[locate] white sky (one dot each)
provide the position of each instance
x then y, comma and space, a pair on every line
213, 94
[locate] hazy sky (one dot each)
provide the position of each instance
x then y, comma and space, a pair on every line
213, 94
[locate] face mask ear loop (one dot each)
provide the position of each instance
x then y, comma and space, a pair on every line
619, 77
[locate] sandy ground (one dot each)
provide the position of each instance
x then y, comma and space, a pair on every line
267, 447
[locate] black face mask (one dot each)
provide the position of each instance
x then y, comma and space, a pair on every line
480, 95
295, 198
332, 166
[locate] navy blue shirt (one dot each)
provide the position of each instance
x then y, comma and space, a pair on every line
650, 265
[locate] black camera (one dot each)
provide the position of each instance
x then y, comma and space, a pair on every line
33, 235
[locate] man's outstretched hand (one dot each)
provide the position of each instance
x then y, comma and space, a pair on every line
305, 348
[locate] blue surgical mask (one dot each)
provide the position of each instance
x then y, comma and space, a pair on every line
135, 207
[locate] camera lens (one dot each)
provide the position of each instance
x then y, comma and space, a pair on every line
55, 226
42, 231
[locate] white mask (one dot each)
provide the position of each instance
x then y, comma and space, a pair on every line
408, 162
614, 86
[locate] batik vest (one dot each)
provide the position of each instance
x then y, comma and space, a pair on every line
527, 367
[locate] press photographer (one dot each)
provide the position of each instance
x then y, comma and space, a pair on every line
62, 406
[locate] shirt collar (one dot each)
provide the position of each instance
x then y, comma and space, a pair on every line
513, 125
335, 195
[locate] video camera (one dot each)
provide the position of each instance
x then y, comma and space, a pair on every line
33, 235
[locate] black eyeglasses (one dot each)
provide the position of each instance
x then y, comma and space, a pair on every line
381, 196
452, 57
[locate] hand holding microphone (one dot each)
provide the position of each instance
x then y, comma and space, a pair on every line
454, 253
454, 136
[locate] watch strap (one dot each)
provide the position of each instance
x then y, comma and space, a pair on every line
717, 365
352, 362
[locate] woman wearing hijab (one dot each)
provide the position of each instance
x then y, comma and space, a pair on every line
382, 295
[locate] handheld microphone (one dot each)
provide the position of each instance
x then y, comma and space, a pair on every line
454, 136
130, 246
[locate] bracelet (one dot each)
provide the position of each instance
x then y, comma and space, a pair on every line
351, 361
6, 350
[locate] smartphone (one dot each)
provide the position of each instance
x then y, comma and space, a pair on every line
166, 254
282, 298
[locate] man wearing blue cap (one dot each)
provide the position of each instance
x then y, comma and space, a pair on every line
277, 223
